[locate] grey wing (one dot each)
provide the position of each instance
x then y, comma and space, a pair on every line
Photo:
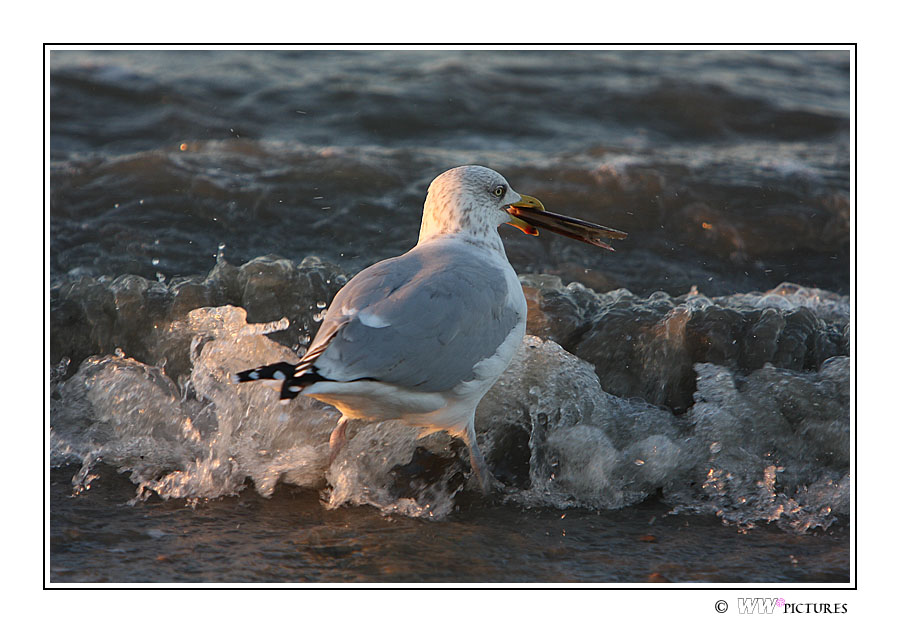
420, 321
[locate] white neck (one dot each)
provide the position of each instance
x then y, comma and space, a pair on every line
443, 225
447, 213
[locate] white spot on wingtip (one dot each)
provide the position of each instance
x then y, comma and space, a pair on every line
235, 379
294, 389
253, 375
279, 375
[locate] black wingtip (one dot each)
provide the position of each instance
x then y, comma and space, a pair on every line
243, 376
275, 371
294, 386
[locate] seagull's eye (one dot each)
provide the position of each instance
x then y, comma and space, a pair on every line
499, 190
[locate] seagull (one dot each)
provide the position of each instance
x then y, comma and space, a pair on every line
422, 337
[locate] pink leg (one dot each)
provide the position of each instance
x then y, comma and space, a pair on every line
479, 466
338, 439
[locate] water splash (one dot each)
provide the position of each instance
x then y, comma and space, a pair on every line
769, 444
200, 440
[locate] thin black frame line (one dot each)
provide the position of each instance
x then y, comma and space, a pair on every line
854, 46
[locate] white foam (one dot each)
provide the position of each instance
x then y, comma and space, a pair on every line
780, 438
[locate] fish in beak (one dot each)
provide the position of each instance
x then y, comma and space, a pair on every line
528, 214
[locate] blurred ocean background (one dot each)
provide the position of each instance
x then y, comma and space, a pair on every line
679, 412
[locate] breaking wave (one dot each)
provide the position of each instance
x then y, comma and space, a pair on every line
736, 406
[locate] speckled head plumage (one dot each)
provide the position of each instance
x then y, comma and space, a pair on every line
468, 200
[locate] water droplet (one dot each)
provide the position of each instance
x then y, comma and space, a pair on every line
639, 462
320, 304
318, 316
715, 447
155, 261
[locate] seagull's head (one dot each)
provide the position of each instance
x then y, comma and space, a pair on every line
470, 199
475, 200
